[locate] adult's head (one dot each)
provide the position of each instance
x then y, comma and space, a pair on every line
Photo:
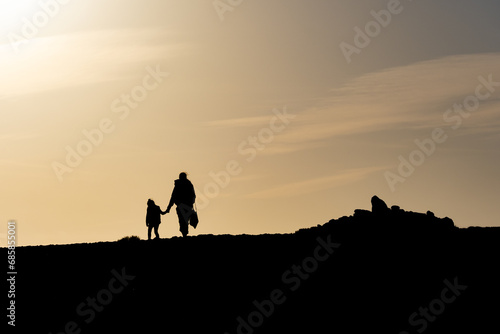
183, 176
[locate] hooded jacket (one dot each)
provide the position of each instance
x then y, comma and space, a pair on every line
153, 215
183, 193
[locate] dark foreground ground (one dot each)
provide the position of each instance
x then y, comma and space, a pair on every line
397, 272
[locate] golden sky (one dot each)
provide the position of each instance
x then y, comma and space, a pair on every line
285, 114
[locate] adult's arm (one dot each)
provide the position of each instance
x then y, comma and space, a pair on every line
172, 199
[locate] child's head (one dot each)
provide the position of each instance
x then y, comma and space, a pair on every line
151, 202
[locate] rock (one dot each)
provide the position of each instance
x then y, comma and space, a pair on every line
448, 222
359, 213
395, 208
378, 206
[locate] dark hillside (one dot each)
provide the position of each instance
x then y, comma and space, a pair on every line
385, 271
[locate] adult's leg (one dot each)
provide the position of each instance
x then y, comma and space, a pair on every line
183, 221
156, 231
149, 231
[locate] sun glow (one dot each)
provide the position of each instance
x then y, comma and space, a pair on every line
12, 13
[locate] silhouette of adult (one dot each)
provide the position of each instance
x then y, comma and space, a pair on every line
183, 196
153, 218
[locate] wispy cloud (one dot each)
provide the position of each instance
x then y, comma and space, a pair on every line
239, 122
80, 58
17, 136
20, 164
406, 97
301, 188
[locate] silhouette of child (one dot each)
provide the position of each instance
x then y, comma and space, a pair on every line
153, 218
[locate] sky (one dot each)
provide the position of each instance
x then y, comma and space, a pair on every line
285, 114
